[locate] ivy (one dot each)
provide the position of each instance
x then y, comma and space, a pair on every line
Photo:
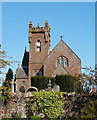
48, 103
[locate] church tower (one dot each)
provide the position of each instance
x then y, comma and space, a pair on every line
39, 44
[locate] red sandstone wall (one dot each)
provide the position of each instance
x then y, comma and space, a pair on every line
19, 83
62, 49
36, 59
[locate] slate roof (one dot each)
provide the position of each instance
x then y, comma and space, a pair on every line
20, 74
25, 58
25, 61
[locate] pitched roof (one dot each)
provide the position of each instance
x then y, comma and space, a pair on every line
25, 60
20, 74
67, 46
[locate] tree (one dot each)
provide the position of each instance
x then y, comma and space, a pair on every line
6, 86
87, 79
3, 61
9, 77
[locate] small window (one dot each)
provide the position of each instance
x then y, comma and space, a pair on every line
35, 72
62, 61
23, 83
57, 64
38, 46
66, 62
14, 87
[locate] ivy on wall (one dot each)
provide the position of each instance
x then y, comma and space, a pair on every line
48, 103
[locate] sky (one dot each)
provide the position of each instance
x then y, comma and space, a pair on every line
75, 21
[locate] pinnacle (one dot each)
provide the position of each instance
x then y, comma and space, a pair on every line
30, 23
46, 21
38, 25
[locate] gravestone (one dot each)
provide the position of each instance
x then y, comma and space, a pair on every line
56, 88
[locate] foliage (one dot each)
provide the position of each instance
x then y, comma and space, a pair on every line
3, 61
16, 115
89, 110
77, 84
65, 82
5, 94
87, 79
48, 103
41, 81
35, 117
6, 86
22, 89
8, 79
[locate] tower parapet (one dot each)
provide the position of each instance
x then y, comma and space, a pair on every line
34, 29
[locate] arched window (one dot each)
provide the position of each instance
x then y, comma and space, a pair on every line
40, 72
66, 62
57, 64
62, 61
35, 72
38, 46
14, 87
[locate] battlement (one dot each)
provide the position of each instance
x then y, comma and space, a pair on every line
34, 29
39, 29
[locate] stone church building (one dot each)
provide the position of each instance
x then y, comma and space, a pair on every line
41, 61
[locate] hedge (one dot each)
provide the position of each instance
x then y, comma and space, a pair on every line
65, 82
41, 81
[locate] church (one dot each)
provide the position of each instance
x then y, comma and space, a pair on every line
41, 61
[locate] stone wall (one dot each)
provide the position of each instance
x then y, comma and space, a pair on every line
72, 104
62, 50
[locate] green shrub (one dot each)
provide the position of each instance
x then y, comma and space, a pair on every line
48, 103
65, 82
18, 115
77, 85
89, 110
35, 117
22, 89
41, 81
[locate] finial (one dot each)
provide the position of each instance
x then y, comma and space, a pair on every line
30, 23
46, 23
61, 37
38, 25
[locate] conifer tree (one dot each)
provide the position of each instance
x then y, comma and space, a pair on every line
9, 77
6, 87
